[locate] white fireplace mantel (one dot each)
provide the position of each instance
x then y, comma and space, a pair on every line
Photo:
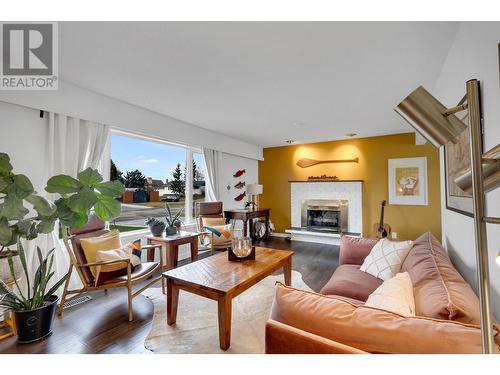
351, 191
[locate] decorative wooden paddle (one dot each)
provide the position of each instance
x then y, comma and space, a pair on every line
305, 163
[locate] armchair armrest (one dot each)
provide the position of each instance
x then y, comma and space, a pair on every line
151, 246
106, 262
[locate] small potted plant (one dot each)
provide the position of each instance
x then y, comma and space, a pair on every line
33, 313
156, 226
173, 222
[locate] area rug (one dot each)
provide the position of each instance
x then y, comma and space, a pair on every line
196, 330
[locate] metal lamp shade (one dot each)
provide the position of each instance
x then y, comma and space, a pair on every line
426, 114
491, 173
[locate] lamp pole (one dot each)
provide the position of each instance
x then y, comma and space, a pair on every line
478, 199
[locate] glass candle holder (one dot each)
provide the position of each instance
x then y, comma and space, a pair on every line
242, 246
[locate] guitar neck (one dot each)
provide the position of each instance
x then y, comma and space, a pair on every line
382, 217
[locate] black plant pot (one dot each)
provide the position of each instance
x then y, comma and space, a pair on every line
157, 230
35, 324
170, 231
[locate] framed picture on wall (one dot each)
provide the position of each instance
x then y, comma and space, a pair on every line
408, 181
456, 161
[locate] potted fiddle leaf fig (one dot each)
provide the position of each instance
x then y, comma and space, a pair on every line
17, 221
34, 310
79, 196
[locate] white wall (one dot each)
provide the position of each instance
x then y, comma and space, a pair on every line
88, 105
24, 138
474, 54
230, 164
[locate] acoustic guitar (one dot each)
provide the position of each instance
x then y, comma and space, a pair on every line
381, 229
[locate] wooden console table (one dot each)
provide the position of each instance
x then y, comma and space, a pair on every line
247, 216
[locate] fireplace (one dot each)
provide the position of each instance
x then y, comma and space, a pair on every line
325, 215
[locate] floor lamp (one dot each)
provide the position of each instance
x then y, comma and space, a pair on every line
439, 126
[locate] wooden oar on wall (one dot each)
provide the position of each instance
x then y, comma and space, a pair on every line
305, 163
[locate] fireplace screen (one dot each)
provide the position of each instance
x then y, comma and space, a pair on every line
323, 219
325, 214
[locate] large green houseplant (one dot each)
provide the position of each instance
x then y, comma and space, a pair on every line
25, 215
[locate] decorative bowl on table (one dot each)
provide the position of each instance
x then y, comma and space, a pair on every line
242, 249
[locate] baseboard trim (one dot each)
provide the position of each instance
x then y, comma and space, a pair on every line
282, 235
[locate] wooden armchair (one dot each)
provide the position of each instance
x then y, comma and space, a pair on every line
95, 227
209, 210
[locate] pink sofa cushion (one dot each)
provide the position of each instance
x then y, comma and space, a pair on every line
370, 329
440, 291
349, 281
354, 250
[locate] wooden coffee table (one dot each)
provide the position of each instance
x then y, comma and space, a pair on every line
218, 279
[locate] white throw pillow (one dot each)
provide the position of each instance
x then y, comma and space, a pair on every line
386, 258
395, 295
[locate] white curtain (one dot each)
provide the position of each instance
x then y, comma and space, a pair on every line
73, 145
213, 165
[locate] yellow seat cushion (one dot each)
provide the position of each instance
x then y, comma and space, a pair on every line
91, 245
212, 221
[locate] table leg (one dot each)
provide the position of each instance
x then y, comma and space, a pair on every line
251, 228
175, 255
194, 249
225, 310
172, 302
287, 271
267, 226
169, 254
162, 267
245, 228
151, 252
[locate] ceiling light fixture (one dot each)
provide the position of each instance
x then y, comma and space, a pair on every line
298, 124
351, 134
290, 141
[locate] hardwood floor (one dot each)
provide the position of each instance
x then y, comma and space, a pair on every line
101, 325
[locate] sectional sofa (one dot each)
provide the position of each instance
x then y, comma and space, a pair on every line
336, 320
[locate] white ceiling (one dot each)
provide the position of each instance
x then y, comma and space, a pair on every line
254, 80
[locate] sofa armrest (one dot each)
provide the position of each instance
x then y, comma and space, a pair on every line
284, 339
354, 250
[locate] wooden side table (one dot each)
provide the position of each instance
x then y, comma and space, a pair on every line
247, 216
171, 246
9, 321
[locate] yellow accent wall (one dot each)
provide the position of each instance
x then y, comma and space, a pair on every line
278, 168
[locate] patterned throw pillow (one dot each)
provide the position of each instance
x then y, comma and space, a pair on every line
111, 271
132, 251
135, 249
221, 234
386, 258
394, 295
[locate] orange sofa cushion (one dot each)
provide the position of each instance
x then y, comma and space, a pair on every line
440, 291
370, 329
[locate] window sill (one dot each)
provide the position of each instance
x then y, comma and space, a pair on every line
191, 227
